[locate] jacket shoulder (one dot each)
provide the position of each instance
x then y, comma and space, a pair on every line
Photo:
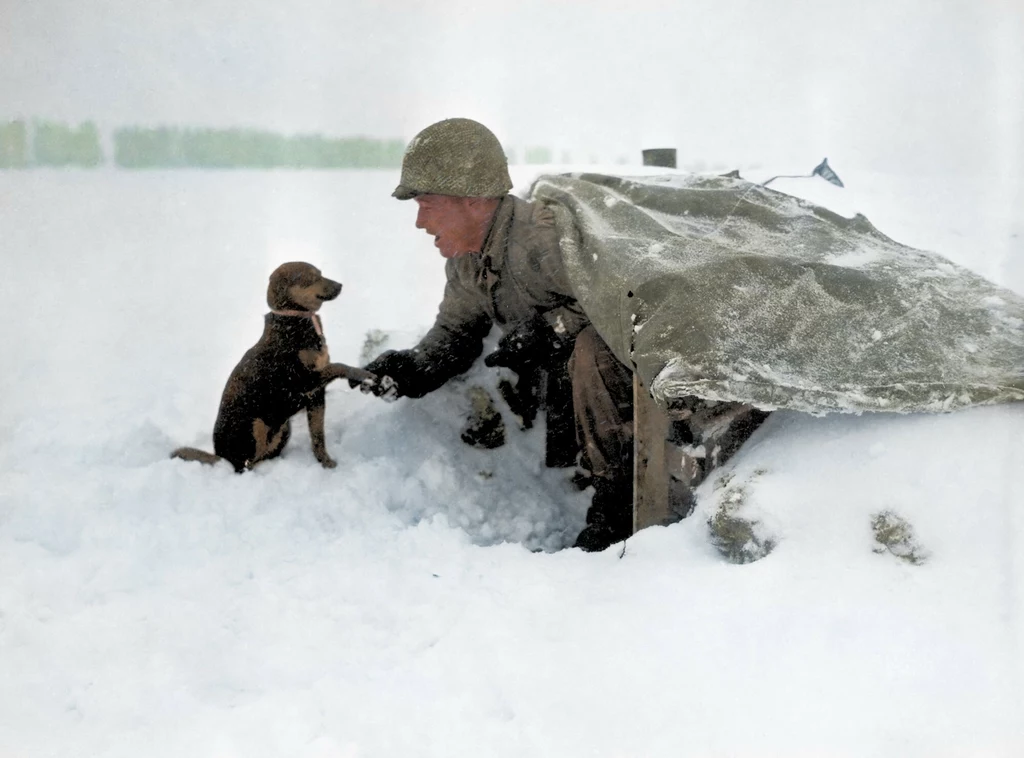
530, 213
534, 237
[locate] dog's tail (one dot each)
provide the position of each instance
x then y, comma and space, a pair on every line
195, 454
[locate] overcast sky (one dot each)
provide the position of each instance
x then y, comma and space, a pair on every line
868, 83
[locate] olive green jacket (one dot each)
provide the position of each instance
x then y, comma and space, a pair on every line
518, 274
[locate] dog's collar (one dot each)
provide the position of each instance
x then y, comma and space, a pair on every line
304, 314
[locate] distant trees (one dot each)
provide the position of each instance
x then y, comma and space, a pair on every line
163, 147
56, 144
13, 145
25, 144
49, 144
535, 155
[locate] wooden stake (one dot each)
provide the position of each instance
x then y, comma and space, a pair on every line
650, 473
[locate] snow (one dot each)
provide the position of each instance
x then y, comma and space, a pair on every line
415, 600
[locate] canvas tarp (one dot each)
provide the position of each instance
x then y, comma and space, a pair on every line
719, 288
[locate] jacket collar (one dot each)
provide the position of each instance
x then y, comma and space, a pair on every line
496, 241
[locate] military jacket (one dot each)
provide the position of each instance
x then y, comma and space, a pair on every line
518, 274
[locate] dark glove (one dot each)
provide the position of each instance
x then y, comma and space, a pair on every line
529, 344
404, 371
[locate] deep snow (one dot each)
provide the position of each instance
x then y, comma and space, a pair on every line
414, 601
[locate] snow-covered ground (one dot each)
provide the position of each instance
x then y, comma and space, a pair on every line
414, 601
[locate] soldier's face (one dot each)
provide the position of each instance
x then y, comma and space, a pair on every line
458, 224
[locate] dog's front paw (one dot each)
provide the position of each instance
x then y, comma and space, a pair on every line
328, 462
359, 376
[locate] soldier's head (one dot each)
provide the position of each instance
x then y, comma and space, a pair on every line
457, 172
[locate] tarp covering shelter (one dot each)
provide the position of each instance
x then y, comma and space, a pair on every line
726, 290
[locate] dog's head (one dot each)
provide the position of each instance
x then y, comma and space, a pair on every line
300, 286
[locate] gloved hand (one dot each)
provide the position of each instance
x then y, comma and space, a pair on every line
398, 374
528, 344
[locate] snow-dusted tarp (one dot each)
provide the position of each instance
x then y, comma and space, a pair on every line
723, 289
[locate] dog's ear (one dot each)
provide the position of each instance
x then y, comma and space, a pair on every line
286, 276
277, 290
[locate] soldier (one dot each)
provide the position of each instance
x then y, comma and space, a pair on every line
504, 267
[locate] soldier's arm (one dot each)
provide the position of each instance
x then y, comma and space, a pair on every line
456, 338
564, 314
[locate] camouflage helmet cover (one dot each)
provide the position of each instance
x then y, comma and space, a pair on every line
457, 156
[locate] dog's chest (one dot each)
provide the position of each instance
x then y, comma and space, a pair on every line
314, 354
317, 360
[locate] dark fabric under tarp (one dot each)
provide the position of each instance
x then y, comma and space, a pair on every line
719, 288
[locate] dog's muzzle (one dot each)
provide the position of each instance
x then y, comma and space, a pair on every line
331, 290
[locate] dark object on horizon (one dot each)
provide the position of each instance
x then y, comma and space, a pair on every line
660, 156
822, 169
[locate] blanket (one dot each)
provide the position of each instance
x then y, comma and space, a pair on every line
722, 289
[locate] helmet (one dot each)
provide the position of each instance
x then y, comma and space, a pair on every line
457, 156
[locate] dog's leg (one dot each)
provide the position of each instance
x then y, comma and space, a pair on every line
341, 371
261, 438
278, 440
269, 442
194, 454
315, 416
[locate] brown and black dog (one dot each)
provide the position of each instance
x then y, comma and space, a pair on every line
286, 371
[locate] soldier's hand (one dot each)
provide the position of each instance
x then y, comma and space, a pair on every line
397, 373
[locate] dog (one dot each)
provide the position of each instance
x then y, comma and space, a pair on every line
285, 372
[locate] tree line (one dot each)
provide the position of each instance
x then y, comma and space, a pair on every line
49, 143
54, 144
174, 147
